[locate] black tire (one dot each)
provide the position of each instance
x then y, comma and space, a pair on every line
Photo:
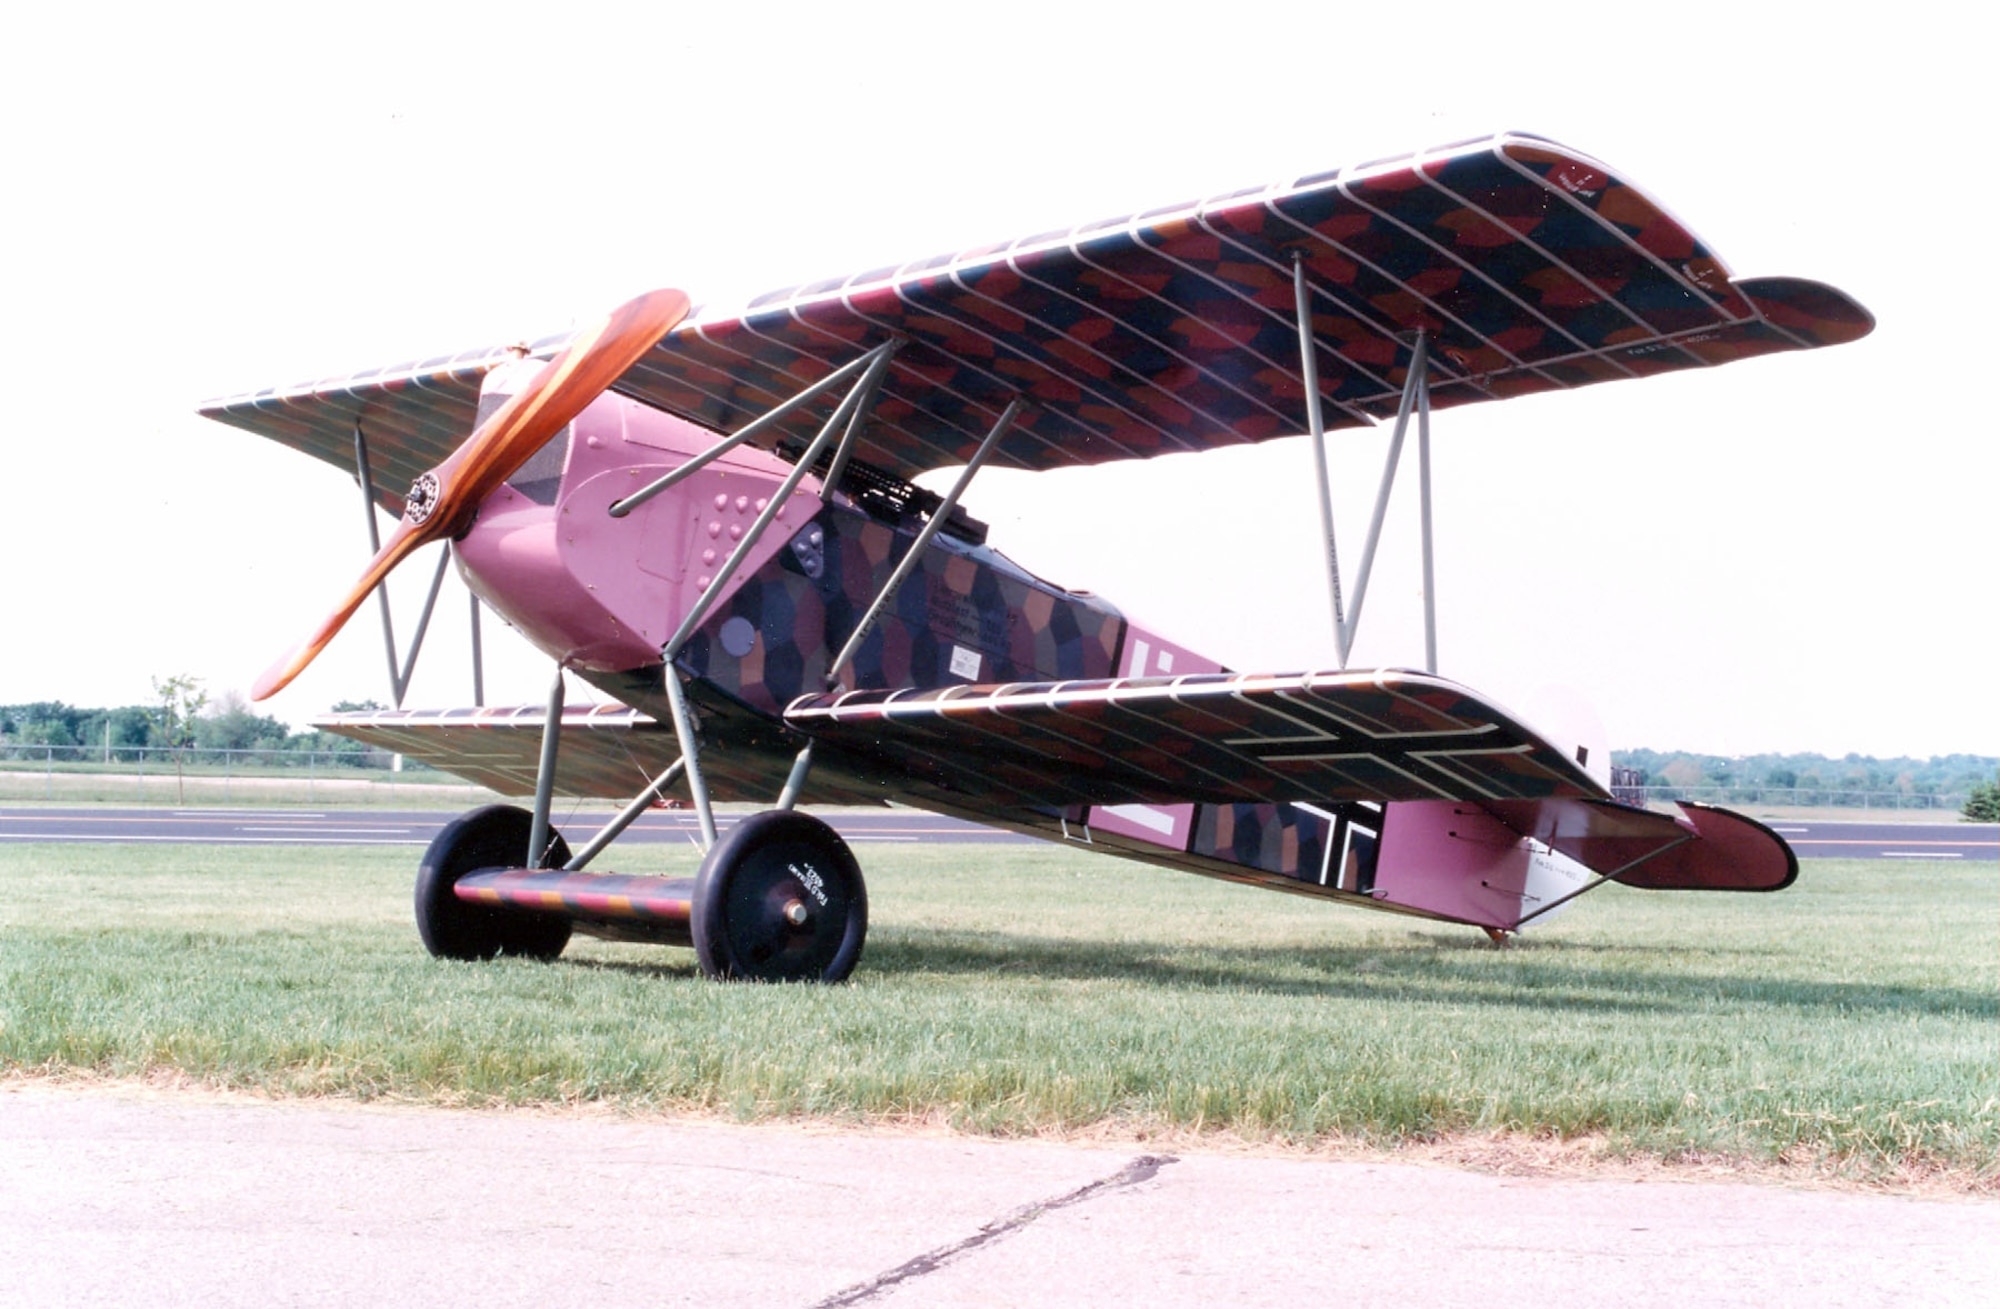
780, 899
493, 837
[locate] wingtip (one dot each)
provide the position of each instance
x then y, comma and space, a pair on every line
1823, 315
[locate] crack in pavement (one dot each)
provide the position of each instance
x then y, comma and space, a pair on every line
1138, 1170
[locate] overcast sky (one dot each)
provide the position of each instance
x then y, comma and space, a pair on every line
1792, 553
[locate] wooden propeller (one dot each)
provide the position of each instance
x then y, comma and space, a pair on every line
443, 501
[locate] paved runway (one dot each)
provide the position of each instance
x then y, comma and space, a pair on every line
111, 1197
1904, 842
1946, 842
417, 827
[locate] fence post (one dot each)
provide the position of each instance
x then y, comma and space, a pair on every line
49, 774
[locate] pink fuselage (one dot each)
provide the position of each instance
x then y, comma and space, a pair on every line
602, 595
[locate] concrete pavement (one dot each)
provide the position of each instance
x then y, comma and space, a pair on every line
110, 1195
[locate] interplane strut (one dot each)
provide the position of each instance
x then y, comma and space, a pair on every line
401, 671
1415, 398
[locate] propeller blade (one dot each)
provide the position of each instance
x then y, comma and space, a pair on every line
402, 542
443, 501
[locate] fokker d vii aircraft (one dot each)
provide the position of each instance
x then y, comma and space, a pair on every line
709, 516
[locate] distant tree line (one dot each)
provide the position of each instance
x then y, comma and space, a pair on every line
1773, 777
181, 719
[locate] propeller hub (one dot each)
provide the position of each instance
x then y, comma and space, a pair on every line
423, 498
498, 448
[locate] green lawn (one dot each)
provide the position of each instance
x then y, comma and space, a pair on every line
1847, 1025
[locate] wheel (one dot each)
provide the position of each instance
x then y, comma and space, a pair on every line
493, 837
780, 899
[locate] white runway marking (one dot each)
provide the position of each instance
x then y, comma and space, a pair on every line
331, 831
239, 813
212, 840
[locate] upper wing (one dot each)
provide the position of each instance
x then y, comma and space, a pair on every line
414, 415
1530, 266
1215, 738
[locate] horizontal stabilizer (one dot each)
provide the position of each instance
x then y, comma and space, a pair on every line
1510, 864
1731, 853
1699, 849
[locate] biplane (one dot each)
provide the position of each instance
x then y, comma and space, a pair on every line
711, 516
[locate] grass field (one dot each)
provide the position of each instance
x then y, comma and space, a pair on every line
1847, 1026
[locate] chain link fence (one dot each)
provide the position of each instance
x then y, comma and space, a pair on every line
1798, 797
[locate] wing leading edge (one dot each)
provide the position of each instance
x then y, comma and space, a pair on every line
1214, 738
